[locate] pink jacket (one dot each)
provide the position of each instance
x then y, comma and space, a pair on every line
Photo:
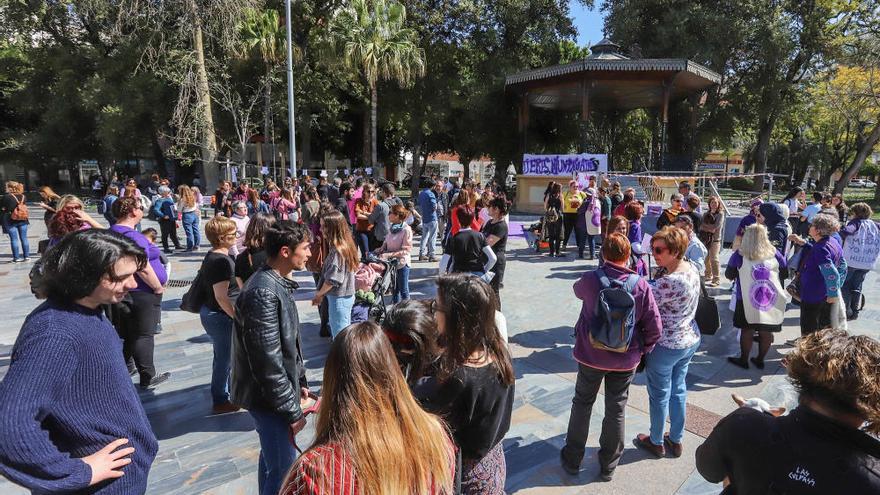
399, 245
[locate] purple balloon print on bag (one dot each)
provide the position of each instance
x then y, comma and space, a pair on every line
762, 294
761, 272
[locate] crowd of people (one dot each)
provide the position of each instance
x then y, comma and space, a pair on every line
419, 401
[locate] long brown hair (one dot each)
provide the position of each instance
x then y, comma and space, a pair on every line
337, 233
368, 410
462, 199
469, 305
256, 231
187, 197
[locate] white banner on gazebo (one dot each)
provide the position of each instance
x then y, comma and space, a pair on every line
564, 164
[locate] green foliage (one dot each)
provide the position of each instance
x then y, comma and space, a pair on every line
741, 184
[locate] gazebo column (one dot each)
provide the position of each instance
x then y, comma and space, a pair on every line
694, 101
664, 121
586, 84
522, 118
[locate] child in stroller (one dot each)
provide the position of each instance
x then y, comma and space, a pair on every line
373, 281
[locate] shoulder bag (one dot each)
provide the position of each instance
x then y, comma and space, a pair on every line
707, 317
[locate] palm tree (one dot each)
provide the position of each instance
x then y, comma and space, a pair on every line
371, 37
263, 34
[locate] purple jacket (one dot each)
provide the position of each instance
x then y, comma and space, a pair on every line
647, 323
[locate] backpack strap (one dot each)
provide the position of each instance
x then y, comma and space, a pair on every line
604, 281
631, 281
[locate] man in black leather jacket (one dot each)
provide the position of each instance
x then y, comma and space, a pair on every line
268, 376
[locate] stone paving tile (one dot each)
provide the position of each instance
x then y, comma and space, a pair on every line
199, 453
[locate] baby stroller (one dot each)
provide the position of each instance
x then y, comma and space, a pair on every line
373, 281
535, 237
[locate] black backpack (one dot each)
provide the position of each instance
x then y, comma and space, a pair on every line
614, 321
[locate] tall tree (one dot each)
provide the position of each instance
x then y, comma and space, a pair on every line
372, 38
262, 33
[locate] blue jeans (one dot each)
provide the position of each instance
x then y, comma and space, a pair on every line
218, 325
190, 222
585, 240
276, 452
401, 290
429, 236
18, 238
363, 241
666, 370
851, 291
339, 312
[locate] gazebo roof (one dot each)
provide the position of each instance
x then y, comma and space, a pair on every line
614, 81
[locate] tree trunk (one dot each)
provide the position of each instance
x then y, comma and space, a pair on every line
268, 149
158, 154
374, 111
210, 173
859, 160
365, 151
759, 156
415, 170
305, 134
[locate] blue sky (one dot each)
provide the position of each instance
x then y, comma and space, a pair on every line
588, 22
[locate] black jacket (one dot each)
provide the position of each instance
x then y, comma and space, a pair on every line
802, 453
267, 362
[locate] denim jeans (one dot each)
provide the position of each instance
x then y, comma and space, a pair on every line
666, 371
18, 238
429, 236
585, 240
190, 222
401, 290
276, 452
218, 326
363, 241
852, 290
339, 312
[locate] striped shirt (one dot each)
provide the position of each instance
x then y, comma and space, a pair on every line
329, 470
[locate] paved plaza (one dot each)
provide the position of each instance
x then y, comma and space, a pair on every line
200, 453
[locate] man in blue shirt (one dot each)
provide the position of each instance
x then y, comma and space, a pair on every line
428, 209
819, 201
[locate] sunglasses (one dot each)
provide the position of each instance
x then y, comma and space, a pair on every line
659, 250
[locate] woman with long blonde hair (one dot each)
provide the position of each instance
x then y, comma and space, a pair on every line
49, 203
760, 299
189, 217
337, 273
372, 437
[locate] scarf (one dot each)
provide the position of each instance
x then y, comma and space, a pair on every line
395, 228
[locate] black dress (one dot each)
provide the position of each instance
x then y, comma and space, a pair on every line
498, 229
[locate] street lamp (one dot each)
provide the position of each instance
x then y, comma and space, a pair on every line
290, 112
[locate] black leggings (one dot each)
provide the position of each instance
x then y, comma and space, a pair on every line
814, 317
138, 329
568, 222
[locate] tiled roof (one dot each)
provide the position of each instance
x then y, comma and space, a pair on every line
624, 65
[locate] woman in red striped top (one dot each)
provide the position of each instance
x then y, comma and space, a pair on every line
372, 436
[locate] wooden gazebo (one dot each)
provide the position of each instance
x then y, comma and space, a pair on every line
608, 80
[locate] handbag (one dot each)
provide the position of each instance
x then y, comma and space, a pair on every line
194, 299
707, 317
